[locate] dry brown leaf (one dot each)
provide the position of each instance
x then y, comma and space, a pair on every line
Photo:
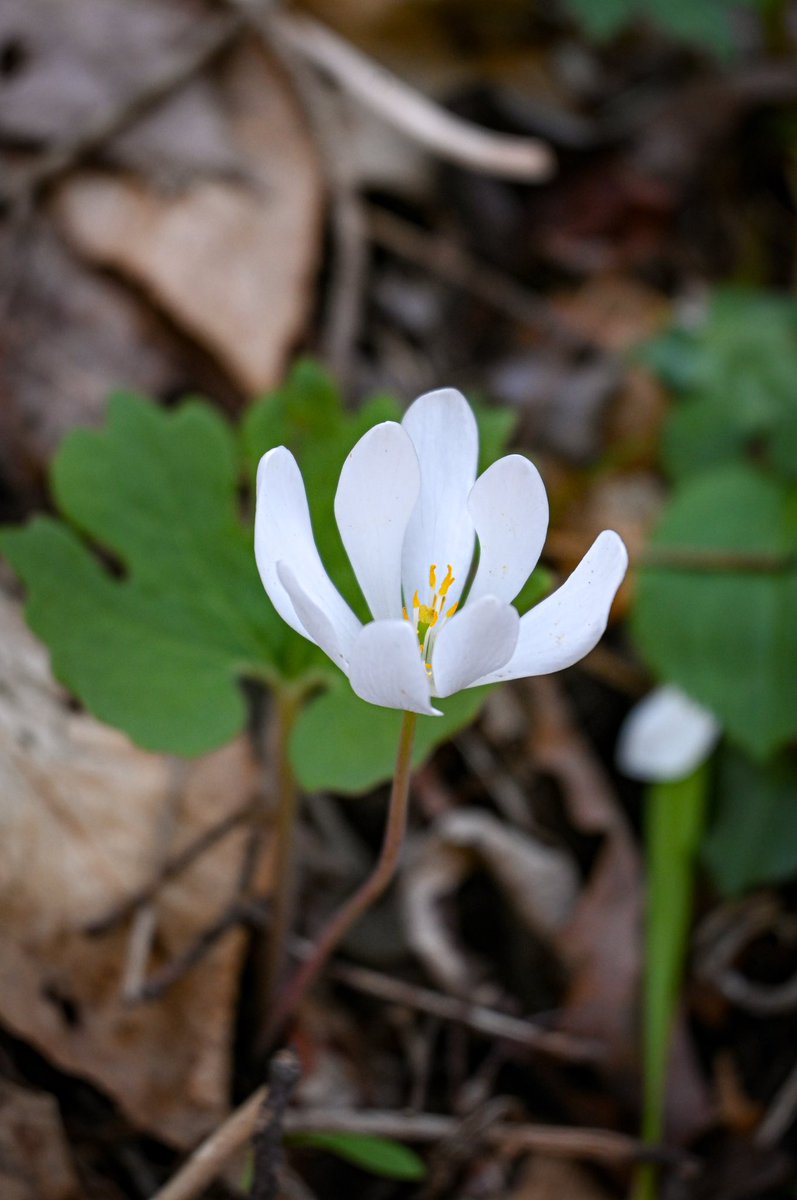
617, 313
539, 881
77, 60
629, 502
85, 819
71, 338
34, 1157
231, 263
554, 1178
603, 940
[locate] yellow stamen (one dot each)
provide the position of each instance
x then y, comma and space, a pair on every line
433, 576
452, 609
406, 614
427, 616
449, 579
416, 603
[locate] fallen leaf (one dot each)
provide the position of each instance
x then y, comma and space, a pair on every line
552, 1178
35, 1163
85, 820
602, 942
71, 337
539, 882
72, 64
231, 263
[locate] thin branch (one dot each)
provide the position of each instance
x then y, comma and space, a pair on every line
170, 870
594, 1145
283, 1076
710, 559
781, 1113
597, 1145
241, 912
211, 1156
570, 546
442, 256
450, 1008
399, 104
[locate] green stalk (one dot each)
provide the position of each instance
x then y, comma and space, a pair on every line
366, 895
675, 820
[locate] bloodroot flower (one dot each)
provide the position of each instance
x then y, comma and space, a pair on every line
439, 556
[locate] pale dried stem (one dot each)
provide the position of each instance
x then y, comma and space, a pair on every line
593, 1145
408, 110
476, 1017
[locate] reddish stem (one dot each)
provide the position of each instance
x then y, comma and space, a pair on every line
366, 895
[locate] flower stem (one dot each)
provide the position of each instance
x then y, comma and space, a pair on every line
366, 895
674, 824
288, 702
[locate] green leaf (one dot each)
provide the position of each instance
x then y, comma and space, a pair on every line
378, 1155
753, 834
706, 24
159, 652
342, 743
728, 637
734, 372
603, 19
496, 426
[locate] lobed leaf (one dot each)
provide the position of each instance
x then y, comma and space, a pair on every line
751, 838
344, 744
728, 636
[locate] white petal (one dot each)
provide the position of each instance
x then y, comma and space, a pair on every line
666, 736
509, 508
567, 625
472, 643
315, 622
283, 533
443, 431
386, 668
378, 487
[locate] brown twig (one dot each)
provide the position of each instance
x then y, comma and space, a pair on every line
251, 912
210, 1157
595, 1145
709, 559
476, 1017
441, 255
170, 869
781, 1113
283, 1076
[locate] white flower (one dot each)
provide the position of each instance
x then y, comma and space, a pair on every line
666, 736
410, 512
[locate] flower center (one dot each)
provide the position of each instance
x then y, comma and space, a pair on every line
424, 617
